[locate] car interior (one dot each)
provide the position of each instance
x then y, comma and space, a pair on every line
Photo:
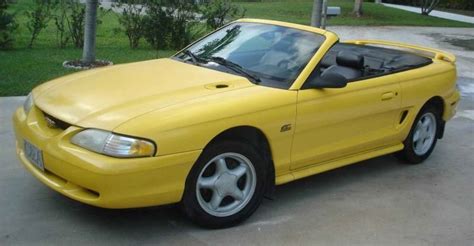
280, 55
357, 62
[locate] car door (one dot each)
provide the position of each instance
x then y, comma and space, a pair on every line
336, 123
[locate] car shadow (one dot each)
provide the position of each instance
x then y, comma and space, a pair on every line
325, 182
169, 220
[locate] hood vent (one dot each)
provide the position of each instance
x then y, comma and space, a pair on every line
221, 86
217, 86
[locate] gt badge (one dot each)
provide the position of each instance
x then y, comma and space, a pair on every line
285, 128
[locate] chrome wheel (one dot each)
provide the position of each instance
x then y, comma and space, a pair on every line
425, 133
226, 184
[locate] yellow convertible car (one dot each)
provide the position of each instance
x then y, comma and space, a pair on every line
217, 126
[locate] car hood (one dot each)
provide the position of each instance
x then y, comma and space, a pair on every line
106, 97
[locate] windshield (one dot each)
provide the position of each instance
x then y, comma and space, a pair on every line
274, 54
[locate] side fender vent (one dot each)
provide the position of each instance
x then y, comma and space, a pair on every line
403, 116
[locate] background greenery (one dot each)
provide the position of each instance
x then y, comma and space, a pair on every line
21, 68
299, 11
450, 4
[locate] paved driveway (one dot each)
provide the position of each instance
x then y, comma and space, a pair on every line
375, 202
436, 13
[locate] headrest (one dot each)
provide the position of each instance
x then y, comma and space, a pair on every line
350, 59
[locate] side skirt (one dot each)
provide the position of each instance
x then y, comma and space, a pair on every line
333, 164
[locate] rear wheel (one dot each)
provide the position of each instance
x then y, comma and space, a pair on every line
225, 186
423, 136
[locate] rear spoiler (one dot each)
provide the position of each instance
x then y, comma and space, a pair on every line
428, 52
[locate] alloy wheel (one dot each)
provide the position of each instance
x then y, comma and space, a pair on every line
425, 133
226, 184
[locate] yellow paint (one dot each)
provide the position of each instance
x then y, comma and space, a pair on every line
178, 106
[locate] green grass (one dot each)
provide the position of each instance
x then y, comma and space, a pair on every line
21, 69
299, 11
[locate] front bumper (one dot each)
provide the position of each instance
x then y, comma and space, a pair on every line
96, 179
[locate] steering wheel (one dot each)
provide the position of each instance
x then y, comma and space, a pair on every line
287, 64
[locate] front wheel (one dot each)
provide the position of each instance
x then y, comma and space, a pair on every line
225, 186
423, 136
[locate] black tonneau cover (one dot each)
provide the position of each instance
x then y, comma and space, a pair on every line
378, 58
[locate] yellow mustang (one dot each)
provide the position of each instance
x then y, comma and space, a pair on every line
252, 105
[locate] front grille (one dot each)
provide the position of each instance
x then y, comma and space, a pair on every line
55, 123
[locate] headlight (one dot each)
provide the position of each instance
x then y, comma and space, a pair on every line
111, 144
28, 104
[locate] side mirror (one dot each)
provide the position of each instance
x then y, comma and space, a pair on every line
328, 80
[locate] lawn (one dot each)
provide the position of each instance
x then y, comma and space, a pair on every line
21, 68
299, 11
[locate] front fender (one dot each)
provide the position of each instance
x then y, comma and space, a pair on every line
193, 124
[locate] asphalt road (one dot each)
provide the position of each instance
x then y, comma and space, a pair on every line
375, 202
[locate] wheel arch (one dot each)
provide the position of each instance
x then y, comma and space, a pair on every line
256, 137
439, 103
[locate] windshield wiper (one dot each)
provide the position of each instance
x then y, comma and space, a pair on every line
235, 67
194, 58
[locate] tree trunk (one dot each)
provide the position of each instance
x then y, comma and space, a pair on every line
316, 14
358, 7
427, 6
88, 53
324, 17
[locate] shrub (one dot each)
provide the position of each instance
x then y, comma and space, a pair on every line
170, 24
132, 20
7, 26
38, 18
217, 12
157, 25
75, 22
60, 20
457, 4
183, 21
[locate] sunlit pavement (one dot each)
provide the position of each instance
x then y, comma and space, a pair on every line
375, 202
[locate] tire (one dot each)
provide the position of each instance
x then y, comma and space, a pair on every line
225, 186
423, 136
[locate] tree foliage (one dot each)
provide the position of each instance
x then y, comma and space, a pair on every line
75, 22
60, 20
169, 24
38, 18
217, 12
131, 20
172, 24
7, 26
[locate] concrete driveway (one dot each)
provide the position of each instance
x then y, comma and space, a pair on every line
375, 202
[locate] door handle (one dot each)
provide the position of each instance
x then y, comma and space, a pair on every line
388, 95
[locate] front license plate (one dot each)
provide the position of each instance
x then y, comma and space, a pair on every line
34, 155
